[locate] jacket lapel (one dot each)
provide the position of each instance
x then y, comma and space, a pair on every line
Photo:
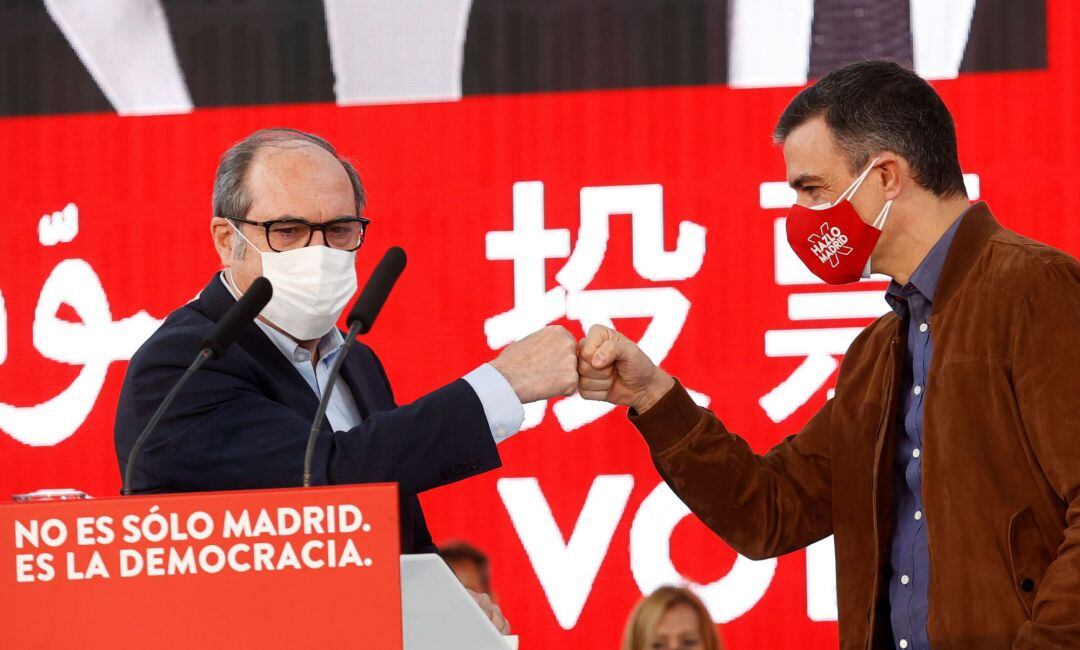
213, 302
357, 382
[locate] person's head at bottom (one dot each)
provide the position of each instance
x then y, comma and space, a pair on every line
670, 618
469, 564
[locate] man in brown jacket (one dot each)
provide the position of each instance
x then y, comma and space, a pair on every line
947, 466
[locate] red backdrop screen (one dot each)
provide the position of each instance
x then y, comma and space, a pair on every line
653, 208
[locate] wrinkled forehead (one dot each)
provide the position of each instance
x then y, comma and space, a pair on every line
299, 179
812, 152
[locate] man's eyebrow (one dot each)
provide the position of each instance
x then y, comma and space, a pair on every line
804, 179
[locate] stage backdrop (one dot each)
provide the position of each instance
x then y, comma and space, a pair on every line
563, 162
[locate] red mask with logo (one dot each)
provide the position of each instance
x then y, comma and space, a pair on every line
832, 240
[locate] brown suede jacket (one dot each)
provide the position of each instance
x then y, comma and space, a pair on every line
1001, 457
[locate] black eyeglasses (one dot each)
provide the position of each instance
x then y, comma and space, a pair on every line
345, 233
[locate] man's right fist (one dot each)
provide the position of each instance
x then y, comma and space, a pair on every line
540, 366
614, 369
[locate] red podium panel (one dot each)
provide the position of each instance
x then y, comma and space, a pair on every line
296, 568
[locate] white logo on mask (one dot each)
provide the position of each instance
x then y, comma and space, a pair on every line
829, 244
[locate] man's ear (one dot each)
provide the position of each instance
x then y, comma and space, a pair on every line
894, 170
222, 234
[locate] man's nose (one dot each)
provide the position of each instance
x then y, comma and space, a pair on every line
318, 238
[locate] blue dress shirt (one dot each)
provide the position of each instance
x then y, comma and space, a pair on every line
910, 556
504, 412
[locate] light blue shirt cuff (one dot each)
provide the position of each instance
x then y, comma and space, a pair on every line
501, 406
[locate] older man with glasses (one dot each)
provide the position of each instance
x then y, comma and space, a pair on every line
288, 207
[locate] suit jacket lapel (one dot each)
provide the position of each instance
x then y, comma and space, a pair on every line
213, 302
357, 382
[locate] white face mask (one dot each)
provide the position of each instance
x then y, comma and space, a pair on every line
312, 285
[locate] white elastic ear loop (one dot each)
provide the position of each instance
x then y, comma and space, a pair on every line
883, 216
235, 228
879, 223
228, 270
854, 187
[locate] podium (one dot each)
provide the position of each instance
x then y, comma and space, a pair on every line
439, 614
291, 568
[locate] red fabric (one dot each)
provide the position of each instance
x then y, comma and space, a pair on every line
833, 243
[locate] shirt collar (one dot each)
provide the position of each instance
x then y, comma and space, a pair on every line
329, 344
925, 278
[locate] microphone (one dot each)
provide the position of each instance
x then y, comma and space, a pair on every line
213, 346
239, 315
360, 319
377, 289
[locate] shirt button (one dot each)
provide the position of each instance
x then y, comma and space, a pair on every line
917, 390
918, 515
904, 579
923, 327
302, 355
903, 643
915, 453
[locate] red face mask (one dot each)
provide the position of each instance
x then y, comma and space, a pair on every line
832, 240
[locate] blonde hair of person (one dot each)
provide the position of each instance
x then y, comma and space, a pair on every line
644, 619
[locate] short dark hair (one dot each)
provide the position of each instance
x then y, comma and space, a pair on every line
464, 552
231, 198
875, 106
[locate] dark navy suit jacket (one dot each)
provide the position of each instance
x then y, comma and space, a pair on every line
242, 421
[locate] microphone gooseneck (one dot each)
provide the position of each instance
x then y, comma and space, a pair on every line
361, 318
213, 346
204, 355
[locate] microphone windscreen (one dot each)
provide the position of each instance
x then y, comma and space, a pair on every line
377, 289
239, 315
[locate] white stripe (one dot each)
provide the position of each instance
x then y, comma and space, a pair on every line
128, 50
821, 581
805, 342
939, 35
842, 304
770, 43
776, 194
796, 390
973, 186
390, 51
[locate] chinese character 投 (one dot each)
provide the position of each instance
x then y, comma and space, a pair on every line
530, 244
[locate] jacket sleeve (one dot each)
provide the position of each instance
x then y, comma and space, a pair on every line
224, 432
1046, 379
761, 505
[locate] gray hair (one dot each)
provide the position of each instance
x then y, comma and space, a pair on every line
231, 199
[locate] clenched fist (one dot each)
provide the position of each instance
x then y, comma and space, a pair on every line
612, 368
540, 366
